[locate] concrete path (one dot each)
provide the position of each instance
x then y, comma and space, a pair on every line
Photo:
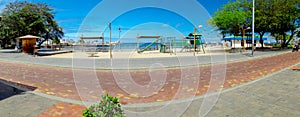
276, 95
17, 103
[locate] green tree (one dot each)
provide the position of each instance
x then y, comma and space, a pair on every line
231, 18
263, 14
81, 41
56, 41
285, 20
23, 18
278, 17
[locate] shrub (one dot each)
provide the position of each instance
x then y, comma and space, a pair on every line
277, 46
108, 107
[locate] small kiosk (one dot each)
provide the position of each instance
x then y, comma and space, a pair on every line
28, 43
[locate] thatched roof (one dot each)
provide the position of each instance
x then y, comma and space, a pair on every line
28, 37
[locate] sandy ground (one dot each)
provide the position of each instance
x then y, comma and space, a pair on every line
134, 54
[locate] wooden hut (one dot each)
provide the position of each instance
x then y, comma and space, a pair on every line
28, 43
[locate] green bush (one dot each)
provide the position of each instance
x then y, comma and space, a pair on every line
277, 46
108, 107
290, 46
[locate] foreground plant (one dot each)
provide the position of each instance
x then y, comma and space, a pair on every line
108, 107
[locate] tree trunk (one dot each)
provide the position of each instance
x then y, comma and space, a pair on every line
261, 41
40, 43
291, 38
283, 44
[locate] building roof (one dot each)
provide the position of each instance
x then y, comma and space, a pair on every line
148, 37
240, 38
28, 37
100, 37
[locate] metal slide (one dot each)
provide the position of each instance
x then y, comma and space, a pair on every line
147, 47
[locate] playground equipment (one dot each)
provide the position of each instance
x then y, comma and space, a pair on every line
166, 45
182, 45
95, 45
198, 42
157, 38
101, 47
171, 44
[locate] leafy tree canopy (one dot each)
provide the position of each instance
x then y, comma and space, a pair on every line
231, 18
277, 17
23, 18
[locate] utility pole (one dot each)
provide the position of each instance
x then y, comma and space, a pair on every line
119, 38
253, 25
110, 45
119, 32
195, 29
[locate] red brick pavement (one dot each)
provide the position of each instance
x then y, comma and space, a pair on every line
62, 109
60, 82
297, 68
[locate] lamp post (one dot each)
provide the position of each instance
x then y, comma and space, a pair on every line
119, 37
243, 35
110, 46
253, 24
119, 32
195, 30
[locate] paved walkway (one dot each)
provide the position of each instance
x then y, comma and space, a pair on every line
60, 81
24, 105
273, 96
276, 95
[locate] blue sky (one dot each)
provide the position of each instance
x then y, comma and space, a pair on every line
147, 17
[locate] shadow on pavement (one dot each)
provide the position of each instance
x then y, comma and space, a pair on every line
7, 91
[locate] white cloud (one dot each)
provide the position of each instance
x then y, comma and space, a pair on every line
178, 25
164, 25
